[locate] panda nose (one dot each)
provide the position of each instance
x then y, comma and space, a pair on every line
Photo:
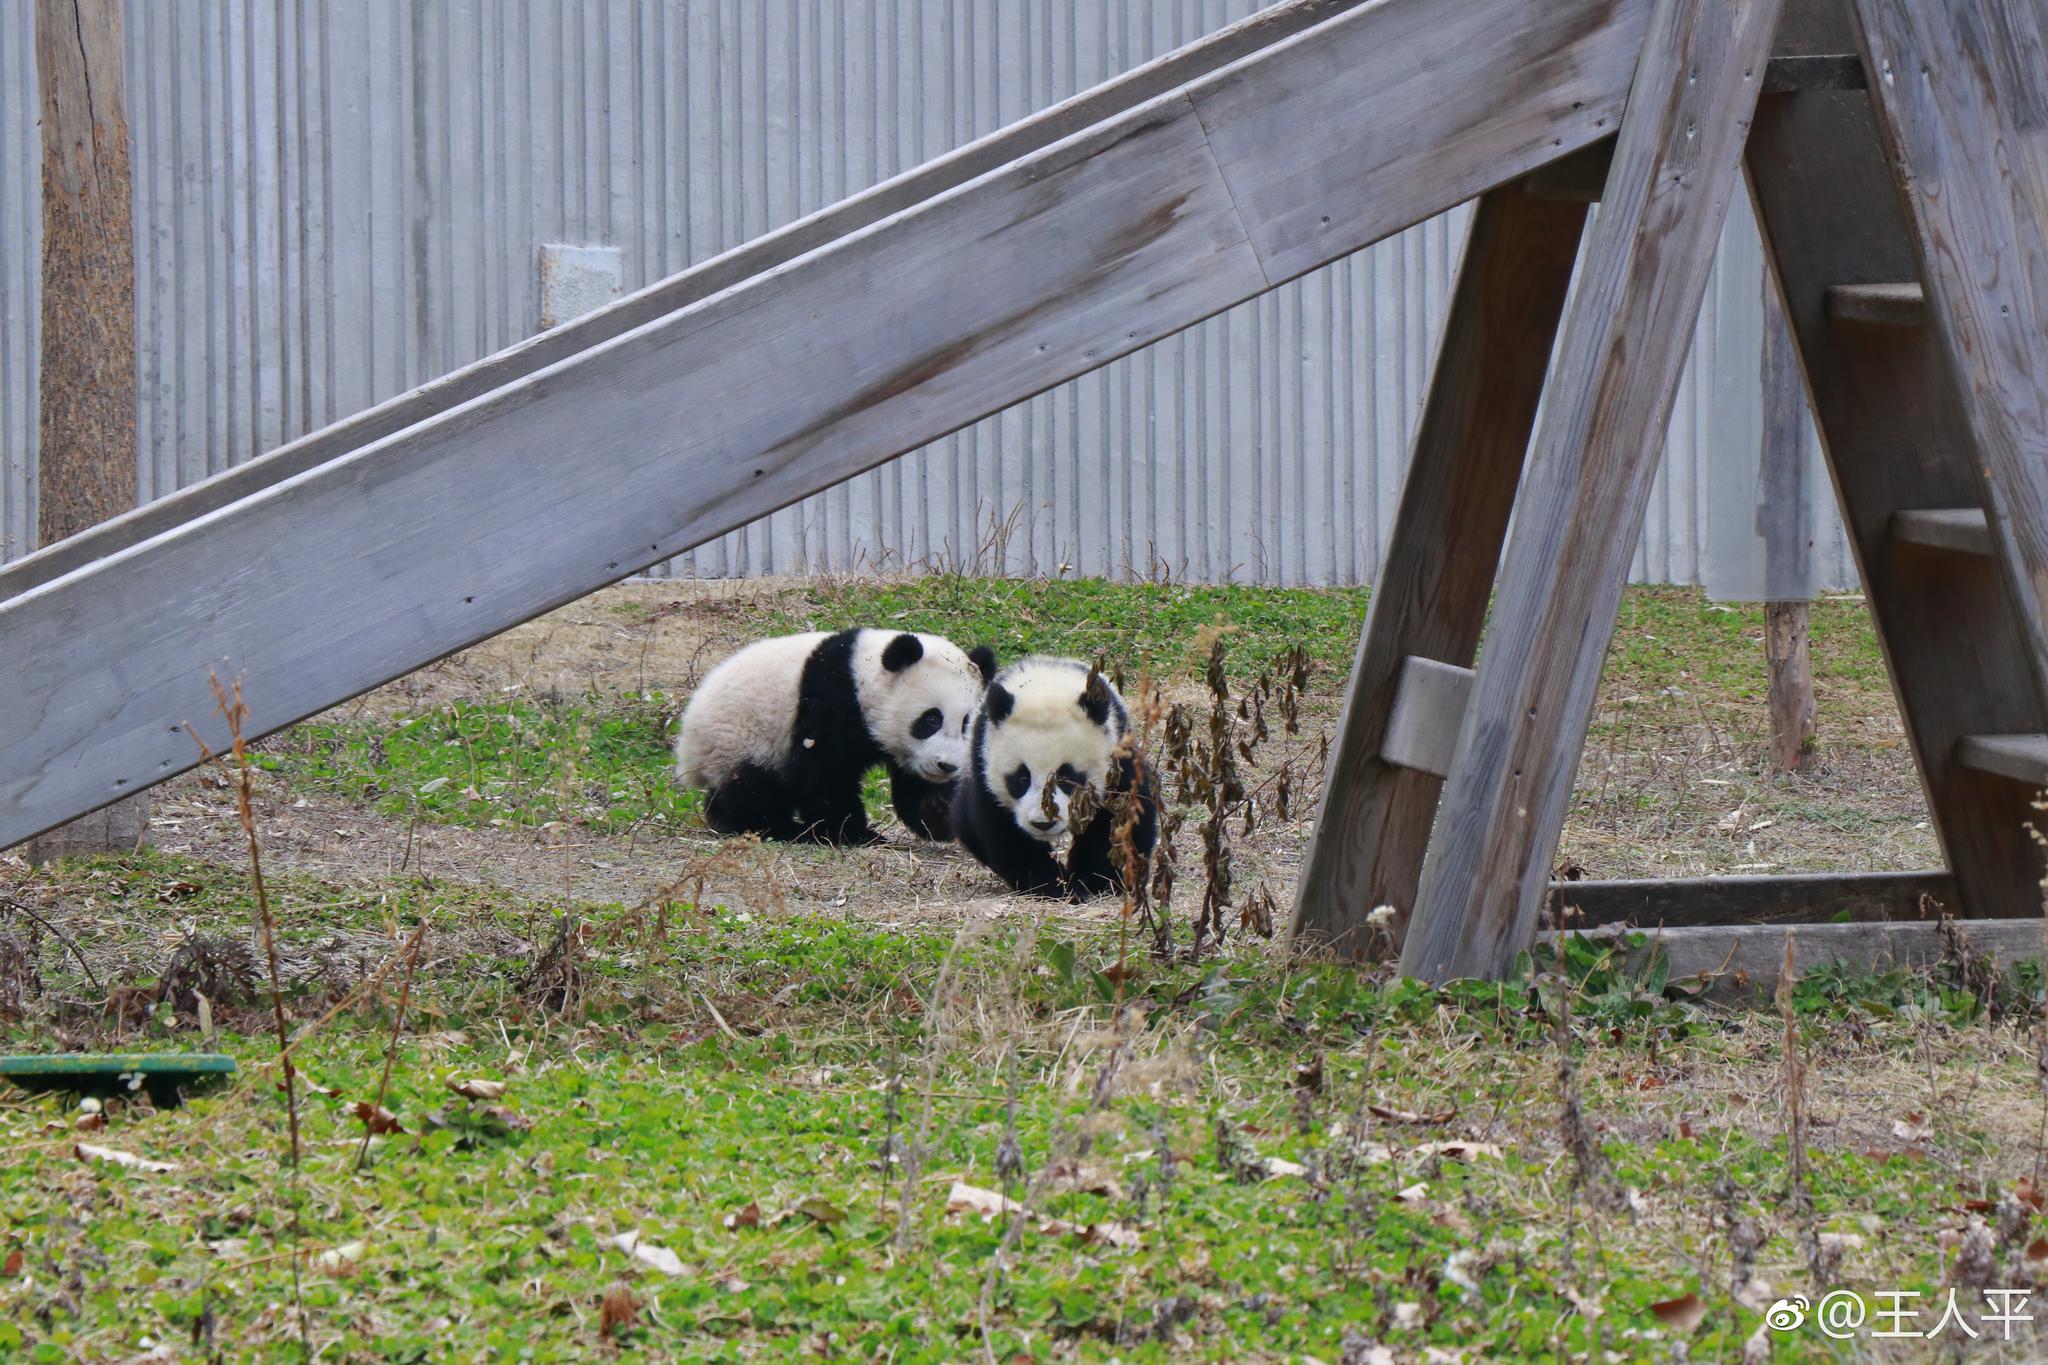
948, 768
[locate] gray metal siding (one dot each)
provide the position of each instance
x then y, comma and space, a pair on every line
336, 203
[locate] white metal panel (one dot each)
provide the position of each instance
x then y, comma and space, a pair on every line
335, 203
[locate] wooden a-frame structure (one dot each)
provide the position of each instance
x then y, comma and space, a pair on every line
1899, 164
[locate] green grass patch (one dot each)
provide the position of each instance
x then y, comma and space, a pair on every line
604, 762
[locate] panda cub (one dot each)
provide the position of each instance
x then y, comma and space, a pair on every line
1047, 728
781, 733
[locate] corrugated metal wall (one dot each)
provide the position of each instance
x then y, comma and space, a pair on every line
335, 203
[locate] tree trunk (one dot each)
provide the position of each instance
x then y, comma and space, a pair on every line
1784, 517
1790, 686
86, 422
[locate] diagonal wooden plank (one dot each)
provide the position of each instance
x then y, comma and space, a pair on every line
1892, 428
367, 566
1169, 72
1626, 331
1961, 93
1430, 602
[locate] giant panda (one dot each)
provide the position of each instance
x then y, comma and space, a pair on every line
1048, 727
780, 735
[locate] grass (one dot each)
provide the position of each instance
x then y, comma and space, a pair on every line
822, 1072
603, 762
850, 1066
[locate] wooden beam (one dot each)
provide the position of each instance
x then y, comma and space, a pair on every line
1800, 898
1814, 71
2023, 758
370, 565
85, 454
1429, 704
1961, 529
1740, 964
1176, 69
1892, 430
1962, 101
1888, 304
1625, 337
1372, 826
1785, 516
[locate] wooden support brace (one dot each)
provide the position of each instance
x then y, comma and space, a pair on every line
1887, 405
1626, 333
1961, 529
1430, 603
1429, 704
1798, 898
1961, 93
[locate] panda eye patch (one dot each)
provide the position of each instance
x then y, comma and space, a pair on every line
928, 724
1068, 778
1018, 782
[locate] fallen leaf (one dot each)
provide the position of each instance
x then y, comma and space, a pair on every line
1682, 1315
86, 1151
1085, 1177
508, 1118
2037, 1256
90, 1123
1459, 1151
1415, 1193
647, 1253
618, 1311
819, 1209
965, 1198
1409, 1115
477, 1089
378, 1119
732, 1284
1912, 1128
1407, 1316
340, 1260
1277, 1166
13, 1264
1589, 1308
748, 1217
2028, 1193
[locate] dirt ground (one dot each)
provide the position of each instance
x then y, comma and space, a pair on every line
1668, 786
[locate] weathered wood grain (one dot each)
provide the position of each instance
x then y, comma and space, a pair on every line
1372, 826
1741, 964
1895, 441
1118, 96
1785, 516
1889, 304
1961, 93
1962, 529
1800, 898
1549, 89
1626, 332
1429, 705
628, 452
85, 468
2023, 758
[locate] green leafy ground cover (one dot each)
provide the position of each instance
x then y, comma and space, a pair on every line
1243, 1157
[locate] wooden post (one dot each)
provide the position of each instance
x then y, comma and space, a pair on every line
1430, 602
1893, 430
1785, 516
86, 422
1627, 329
1961, 94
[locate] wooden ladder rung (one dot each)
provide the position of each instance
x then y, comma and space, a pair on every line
2021, 757
1429, 706
1880, 305
1963, 529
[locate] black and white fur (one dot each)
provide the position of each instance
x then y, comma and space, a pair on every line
1047, 728
780, 735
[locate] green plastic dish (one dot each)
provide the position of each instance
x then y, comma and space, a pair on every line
166, 1077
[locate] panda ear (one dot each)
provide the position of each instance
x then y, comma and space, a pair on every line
1095, 698
999, 703
983, 658
902, 652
